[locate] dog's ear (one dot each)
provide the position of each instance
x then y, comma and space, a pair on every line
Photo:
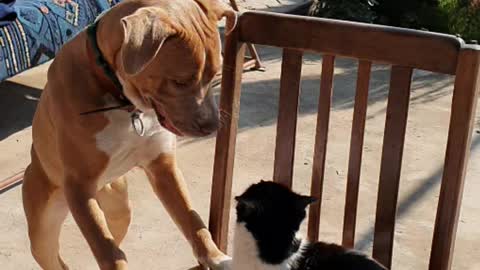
145, 31
221, 10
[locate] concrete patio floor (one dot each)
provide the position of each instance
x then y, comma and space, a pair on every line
153, 242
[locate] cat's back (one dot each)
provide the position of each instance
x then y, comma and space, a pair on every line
323, 256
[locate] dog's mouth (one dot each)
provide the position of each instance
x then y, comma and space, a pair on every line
164, 120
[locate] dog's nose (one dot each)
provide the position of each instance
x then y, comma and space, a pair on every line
208, 125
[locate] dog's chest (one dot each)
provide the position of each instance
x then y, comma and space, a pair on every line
126, 148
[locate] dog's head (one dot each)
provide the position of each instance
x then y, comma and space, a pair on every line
168, 59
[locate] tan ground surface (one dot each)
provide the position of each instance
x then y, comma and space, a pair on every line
153, 242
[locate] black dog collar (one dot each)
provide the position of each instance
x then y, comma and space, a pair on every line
107, 70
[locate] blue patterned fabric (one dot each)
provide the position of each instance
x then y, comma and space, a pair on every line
41, 28
7, 12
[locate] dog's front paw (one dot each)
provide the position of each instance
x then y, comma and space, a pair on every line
223, 262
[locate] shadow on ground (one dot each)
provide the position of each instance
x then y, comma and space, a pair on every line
366, 240
17, 106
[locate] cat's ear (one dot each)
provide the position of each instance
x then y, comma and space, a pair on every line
245, 207
304, 201
245, 201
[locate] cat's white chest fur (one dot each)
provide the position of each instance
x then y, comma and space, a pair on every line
245, 252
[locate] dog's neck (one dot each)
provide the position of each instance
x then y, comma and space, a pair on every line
104, 74
99, 59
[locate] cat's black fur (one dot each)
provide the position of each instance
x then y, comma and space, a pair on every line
273, 213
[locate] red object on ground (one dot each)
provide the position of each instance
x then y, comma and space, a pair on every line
10, 181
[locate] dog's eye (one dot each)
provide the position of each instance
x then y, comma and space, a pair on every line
180, 83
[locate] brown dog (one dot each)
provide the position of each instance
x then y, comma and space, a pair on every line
165, 54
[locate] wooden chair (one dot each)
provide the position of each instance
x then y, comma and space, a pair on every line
253, 62
405, 50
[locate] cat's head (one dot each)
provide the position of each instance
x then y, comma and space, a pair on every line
268, 208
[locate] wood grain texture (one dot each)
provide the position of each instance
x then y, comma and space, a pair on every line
226, 139
390, 168
376, 43
356, 150
320, 148
465, 95
287, 117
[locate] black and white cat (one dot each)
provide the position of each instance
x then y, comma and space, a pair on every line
268, 218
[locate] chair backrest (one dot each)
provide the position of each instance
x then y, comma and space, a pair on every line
404, 50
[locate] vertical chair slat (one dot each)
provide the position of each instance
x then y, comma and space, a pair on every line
287, 116
393, 141
226, 137
356, 149
465, 94
321, 139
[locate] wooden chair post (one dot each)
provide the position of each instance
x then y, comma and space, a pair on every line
287, 117
226, 138
255, 62
356, 149
320, 148
465, 95
392, 153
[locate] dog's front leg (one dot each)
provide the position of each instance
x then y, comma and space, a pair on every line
169, 185
93, 225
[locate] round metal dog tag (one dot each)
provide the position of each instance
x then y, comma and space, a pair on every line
137, 123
